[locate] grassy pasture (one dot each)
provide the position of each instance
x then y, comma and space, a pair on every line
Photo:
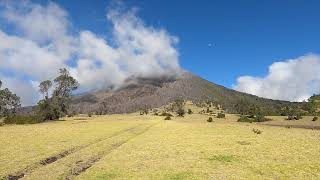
131, 146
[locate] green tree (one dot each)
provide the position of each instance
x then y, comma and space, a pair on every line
312, 105
44, 88
65, 84
48, 108
58, 105
9, 102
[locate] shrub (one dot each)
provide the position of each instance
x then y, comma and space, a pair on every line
221, 115
167, 118
210, 119
294, 117
71, 114
250, 116
145, 111
299, 116
315, 118
180, 112
2, 124
261, 118
245, 119
166, 114
290, 118
98, 112
90, 114
257, 131
189, 111
20, 119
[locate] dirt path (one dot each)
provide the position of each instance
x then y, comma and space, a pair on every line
81, 166
75, 163
49, 160
294, 126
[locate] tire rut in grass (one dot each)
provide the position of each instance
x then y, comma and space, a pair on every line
20, 174
313, 127
81, 166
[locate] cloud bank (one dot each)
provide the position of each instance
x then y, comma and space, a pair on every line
293, 80
41, 41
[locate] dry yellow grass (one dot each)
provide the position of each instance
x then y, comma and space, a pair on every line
147, 147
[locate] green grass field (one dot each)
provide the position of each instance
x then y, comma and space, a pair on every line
131, 146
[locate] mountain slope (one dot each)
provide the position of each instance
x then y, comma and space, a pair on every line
150, 93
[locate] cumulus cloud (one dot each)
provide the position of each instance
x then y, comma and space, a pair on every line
293, 80
42, 42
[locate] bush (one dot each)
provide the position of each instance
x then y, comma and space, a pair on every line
221, 115
90, 114
257, 118
290, 118
189, 111
261, 118
210, 119
245, 119
19, 119
166, 114
299, 117
99, 113
315, 118
144, 111
257, 131
180, 112
250, 116
72, 114
294, 117
167, 118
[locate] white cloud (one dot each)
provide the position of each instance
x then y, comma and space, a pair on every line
42, 43
293, 80
26, 90
25, 57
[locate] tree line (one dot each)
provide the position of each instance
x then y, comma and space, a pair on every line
57, 98
55, 103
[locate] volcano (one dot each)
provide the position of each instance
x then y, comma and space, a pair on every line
139, 93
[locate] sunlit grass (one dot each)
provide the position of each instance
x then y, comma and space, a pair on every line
182, 148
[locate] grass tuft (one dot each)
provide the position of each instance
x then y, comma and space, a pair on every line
222, 158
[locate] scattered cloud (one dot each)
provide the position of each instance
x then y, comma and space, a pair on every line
293, 80
33, 53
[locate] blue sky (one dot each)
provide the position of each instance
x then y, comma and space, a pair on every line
238, 44
246, 35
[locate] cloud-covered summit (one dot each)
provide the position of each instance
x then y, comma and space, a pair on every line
40, 42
